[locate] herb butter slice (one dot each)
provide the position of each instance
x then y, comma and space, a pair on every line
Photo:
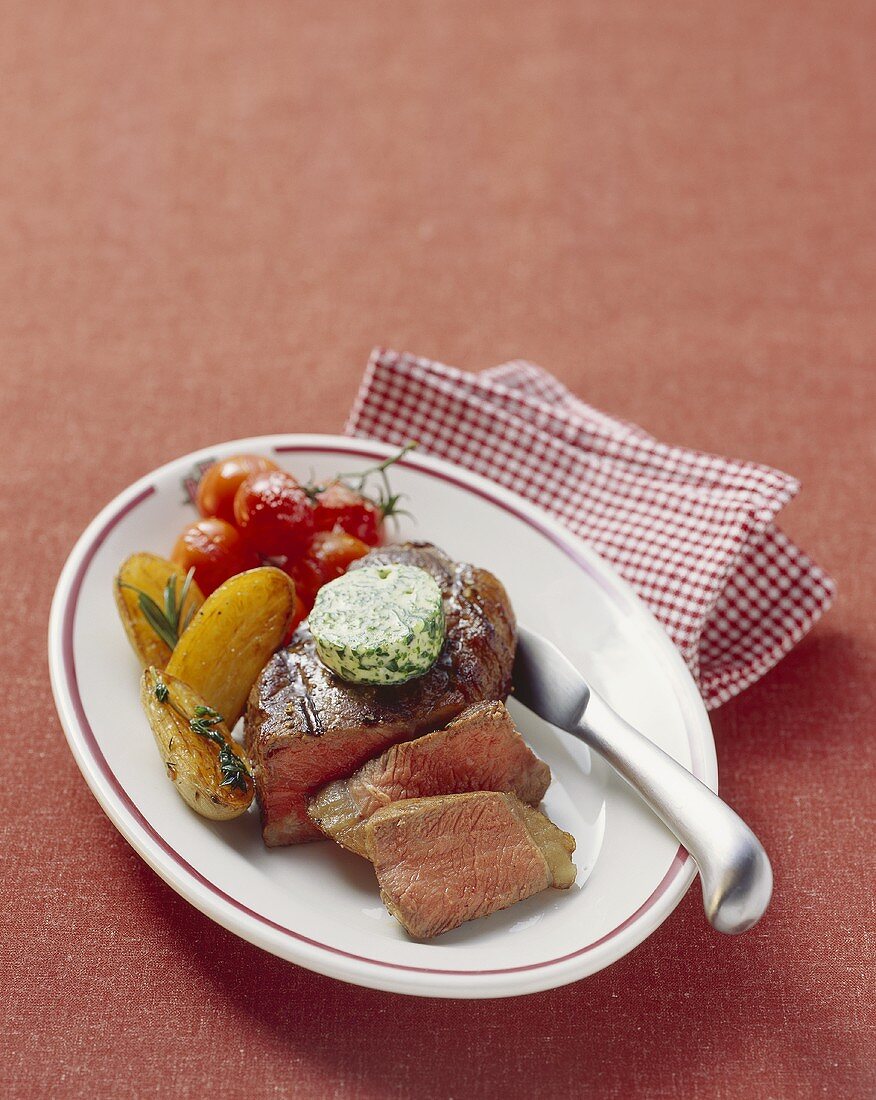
382, 624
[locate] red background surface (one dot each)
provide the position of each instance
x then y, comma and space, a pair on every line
208, 215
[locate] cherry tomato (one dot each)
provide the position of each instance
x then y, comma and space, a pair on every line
274, 513
307, 580
333, 551
216, 550
339, 507
326, 559
301, 613
221, 481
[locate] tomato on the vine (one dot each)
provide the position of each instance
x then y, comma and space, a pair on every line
274, 513
304, 572
298, 616
220, 482
215, 550
337, 506
334, 551
327, 558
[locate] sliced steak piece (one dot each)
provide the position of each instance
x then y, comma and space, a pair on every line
306, 727
445, 860
479, 751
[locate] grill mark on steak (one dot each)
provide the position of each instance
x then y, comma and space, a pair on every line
306, 727
302, 702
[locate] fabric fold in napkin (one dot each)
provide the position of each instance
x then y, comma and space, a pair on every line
693, 533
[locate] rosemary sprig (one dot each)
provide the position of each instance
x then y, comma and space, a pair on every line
165, 621
233, 770
383, 497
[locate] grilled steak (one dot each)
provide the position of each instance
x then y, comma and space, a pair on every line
442, 861
306, 727
479, 751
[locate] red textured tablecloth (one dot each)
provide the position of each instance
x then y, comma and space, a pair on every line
209, 213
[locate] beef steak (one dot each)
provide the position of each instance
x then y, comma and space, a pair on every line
445, 860
306, 727
479, 751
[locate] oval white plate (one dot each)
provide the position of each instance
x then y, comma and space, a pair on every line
316, 905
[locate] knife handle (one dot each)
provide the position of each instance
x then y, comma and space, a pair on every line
735, 871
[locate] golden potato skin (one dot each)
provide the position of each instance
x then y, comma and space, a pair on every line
150, 574
190, 759
231, 638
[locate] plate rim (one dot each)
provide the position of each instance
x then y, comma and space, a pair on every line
262, 931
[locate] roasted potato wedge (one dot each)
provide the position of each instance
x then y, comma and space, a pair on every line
230, 639
205, 764
148, 574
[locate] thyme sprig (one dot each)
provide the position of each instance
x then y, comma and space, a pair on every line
204, 721
382, 496
168, 621
233, 770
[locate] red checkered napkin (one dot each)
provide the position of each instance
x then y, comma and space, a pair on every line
693, 533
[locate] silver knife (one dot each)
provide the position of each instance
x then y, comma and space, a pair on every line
735, 872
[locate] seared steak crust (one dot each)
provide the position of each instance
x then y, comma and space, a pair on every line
306, 727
